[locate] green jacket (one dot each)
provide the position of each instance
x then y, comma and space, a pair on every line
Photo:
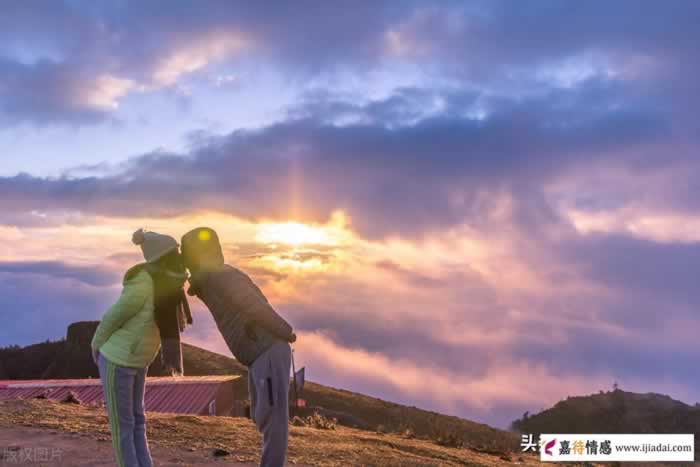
128, 334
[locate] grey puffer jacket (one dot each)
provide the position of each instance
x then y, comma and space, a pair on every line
243, 315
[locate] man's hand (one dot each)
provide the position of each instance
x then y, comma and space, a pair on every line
292, 338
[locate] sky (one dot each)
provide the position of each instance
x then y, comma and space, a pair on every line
478, 208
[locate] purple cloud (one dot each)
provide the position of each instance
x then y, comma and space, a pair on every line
410, 178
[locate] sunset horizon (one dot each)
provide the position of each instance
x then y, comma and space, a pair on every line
475, 208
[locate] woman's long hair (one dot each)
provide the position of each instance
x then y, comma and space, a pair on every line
169, 277
171, 309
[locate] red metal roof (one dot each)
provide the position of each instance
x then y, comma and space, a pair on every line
185, 395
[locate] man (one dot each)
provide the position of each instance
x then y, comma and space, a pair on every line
257, 336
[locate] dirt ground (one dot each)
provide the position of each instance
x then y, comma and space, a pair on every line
46, 433
79, 436
41, 447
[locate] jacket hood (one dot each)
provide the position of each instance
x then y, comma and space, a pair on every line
132, 272
201, 250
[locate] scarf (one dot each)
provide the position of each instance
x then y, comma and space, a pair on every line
172, 315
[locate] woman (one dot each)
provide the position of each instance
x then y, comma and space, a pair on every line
151, 310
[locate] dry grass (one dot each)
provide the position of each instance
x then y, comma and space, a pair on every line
317, 421
324, 447
372, 414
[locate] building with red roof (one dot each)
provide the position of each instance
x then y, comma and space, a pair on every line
196, 395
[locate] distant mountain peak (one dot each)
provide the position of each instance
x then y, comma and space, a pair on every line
614, 411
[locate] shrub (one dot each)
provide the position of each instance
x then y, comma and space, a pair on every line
317, 421
298, 421
405, 430
449, 439
445, 434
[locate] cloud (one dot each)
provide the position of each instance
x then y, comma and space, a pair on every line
464, 321
487, 45
195, 57
46, 91
498, 34
660, 271
438, 388
37, 307
79, 61
88, 275
412, 178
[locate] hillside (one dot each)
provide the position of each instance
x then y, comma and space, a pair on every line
353, 410
190, 440
32, 361
369, 413
614, 412
71, 358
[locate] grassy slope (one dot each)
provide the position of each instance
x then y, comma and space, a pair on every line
200, 362
369, 413
340, 447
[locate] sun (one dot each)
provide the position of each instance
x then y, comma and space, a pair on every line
292, 233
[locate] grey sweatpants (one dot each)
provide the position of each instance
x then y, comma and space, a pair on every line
268, 384
124, 392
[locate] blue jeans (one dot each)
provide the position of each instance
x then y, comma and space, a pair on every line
124, 392
268, 384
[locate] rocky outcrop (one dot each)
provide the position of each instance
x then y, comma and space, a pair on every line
75, 360
79, 334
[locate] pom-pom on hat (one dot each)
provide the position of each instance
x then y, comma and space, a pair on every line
153, 244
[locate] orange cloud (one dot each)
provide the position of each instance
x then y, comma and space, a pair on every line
197, 55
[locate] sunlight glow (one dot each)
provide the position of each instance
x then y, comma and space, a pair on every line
293, 233
290, 264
